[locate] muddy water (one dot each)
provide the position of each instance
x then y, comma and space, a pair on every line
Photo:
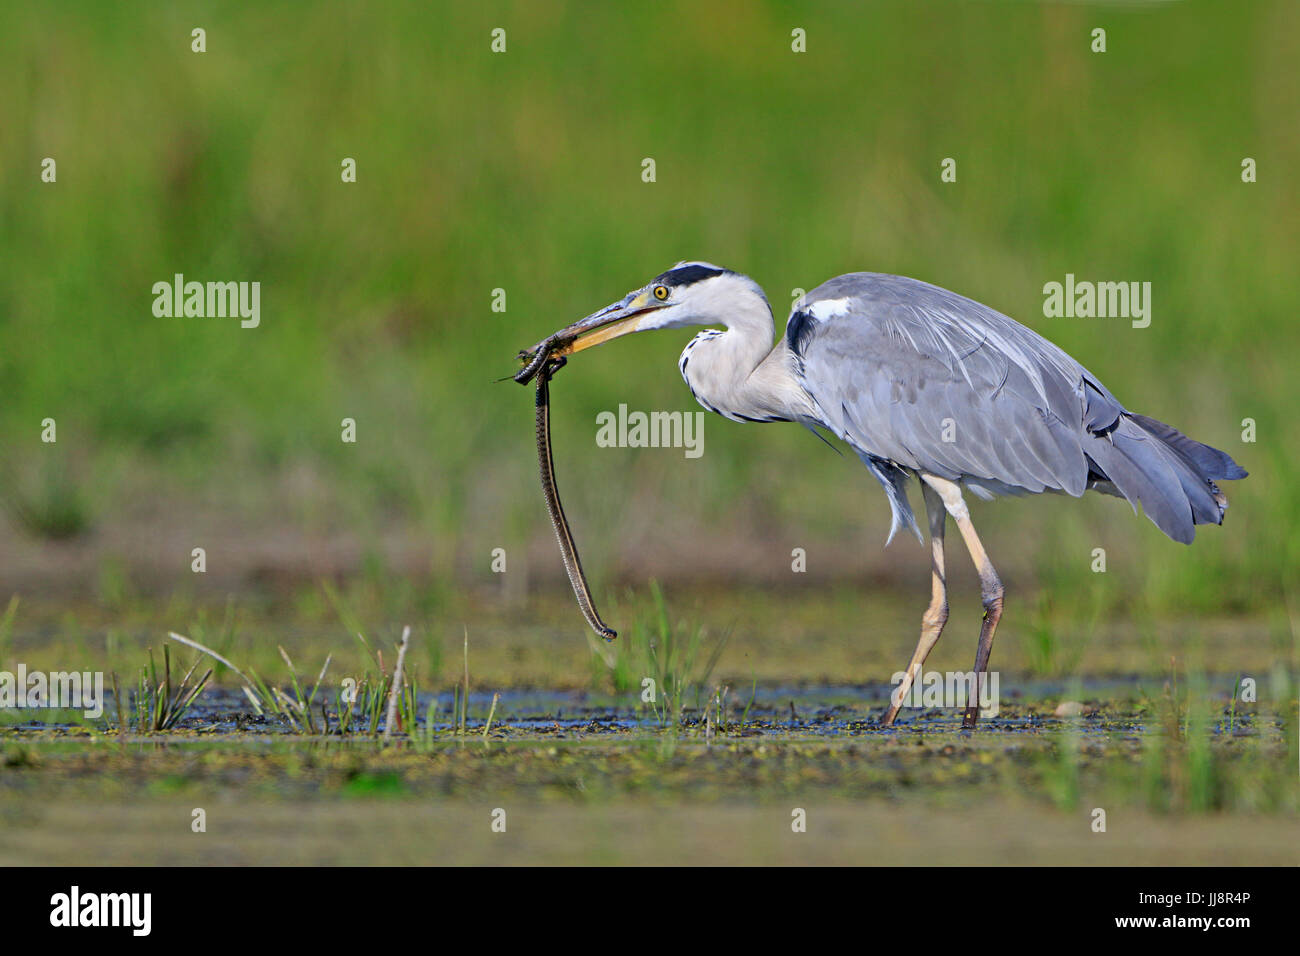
1108, 706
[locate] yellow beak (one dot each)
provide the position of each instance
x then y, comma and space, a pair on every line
618, 318
602, 334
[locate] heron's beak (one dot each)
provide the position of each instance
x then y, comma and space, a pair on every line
617, 318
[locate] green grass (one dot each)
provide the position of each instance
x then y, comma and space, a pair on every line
1178, 748
158, 703
1118, 759
814, 637
401, 830
521, 171
666, 662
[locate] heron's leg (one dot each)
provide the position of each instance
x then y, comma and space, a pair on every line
936, 615
990, 587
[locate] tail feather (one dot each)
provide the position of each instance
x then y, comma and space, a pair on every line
1198, 490
1136, 464
1171, 475
1215, 465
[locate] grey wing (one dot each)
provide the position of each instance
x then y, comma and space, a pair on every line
916, 377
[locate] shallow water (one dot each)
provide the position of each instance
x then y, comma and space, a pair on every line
1118, 705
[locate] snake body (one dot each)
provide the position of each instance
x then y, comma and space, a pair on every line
568, 549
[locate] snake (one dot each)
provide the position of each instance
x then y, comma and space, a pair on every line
543, 365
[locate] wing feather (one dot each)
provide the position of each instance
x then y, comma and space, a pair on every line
918, 378
935, 382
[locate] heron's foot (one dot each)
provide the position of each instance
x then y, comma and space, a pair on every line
888, 719
970, 718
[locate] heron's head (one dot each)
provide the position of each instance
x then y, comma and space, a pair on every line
690, 293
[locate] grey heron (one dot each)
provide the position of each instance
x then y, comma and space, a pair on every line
921, 383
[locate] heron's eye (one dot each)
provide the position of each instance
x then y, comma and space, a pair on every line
661, 292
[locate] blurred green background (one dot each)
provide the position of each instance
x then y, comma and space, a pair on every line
522, 171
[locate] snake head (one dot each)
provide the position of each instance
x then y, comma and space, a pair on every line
532, 361
540, 356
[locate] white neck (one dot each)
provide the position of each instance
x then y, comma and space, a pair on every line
737, 372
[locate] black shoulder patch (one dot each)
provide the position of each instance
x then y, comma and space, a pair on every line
799, 331
687, 275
